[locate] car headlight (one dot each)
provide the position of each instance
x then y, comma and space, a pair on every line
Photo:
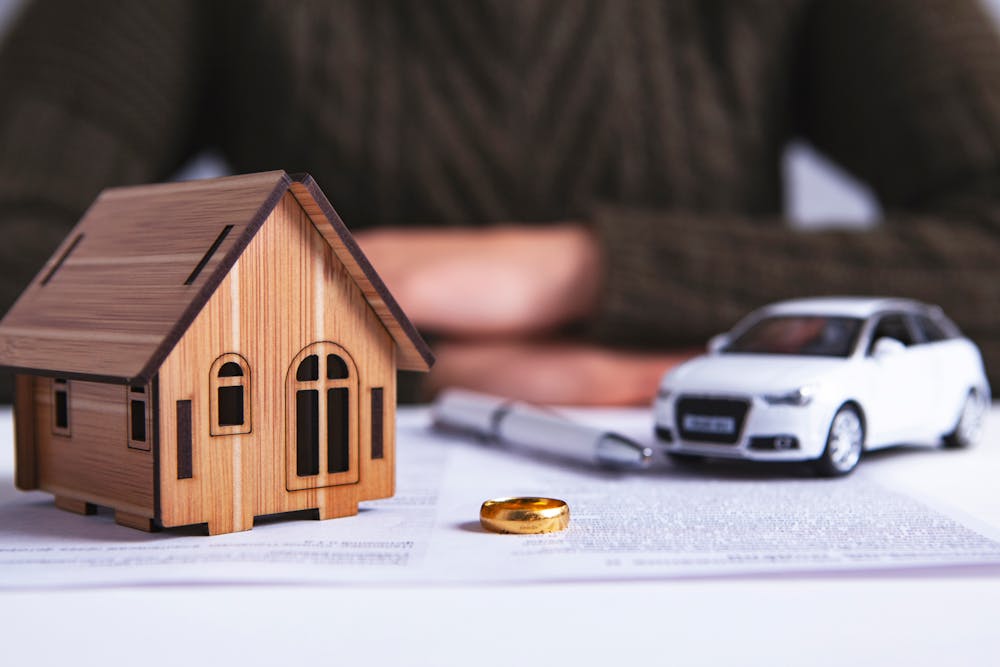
797, 397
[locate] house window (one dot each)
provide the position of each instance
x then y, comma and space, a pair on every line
138, 419
230, 395
378, 423
185, 468
60, 407
322, 405
333, 392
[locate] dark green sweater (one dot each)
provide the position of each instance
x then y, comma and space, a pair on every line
661, 124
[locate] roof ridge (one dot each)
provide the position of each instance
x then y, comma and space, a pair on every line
91, 321
218, 274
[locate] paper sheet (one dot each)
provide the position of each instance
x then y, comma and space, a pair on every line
709, 521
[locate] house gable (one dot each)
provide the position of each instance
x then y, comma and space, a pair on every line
414, 355
287, 292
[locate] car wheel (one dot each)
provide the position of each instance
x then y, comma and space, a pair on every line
970, 422
844, 443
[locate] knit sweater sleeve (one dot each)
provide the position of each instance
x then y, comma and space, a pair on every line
905, 96
92, 94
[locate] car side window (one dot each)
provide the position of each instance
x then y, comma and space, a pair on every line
891, 326
929, 330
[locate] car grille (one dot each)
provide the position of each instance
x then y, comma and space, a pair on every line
716, 420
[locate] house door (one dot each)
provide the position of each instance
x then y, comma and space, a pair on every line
321, 417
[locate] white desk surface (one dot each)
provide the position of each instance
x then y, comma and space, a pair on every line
925, 617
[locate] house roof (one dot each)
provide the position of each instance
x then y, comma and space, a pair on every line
123, 287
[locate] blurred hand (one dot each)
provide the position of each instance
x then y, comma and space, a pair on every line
553, 372
504, 281
497, 297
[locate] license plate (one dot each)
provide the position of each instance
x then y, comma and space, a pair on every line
705, 424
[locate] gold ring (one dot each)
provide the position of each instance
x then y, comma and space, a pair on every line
524, 515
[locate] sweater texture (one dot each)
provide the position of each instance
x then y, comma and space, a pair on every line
660, 124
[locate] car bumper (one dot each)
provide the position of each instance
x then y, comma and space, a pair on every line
768, 432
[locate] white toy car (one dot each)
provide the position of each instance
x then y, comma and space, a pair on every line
823, 380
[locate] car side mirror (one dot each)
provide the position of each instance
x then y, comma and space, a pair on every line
716, 343
887, 347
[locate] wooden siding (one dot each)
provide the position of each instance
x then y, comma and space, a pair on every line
287, 291
413, 353
94, 464
25, 452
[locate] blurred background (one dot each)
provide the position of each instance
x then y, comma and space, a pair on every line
817, 190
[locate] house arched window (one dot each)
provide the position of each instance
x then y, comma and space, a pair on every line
230, 395
322, 418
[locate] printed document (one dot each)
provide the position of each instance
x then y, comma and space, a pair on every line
717, 519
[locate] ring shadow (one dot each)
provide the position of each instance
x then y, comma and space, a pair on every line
470, 527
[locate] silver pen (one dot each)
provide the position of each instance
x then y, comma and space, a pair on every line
524, 426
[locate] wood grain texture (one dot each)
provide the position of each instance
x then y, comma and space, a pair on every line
119, 302
114, 299
287, 291
136, 521
145, 428
61, 396
413, 353
95, 463
75, 506
321, 385
159, 287
25, 457
244, 381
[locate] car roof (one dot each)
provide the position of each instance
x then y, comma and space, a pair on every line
845, 306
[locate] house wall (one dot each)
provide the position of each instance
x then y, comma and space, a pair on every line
25, 454
94, 463
286, 291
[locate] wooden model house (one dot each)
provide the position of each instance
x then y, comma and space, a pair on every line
208, 352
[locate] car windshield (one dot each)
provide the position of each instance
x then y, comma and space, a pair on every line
809, 335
